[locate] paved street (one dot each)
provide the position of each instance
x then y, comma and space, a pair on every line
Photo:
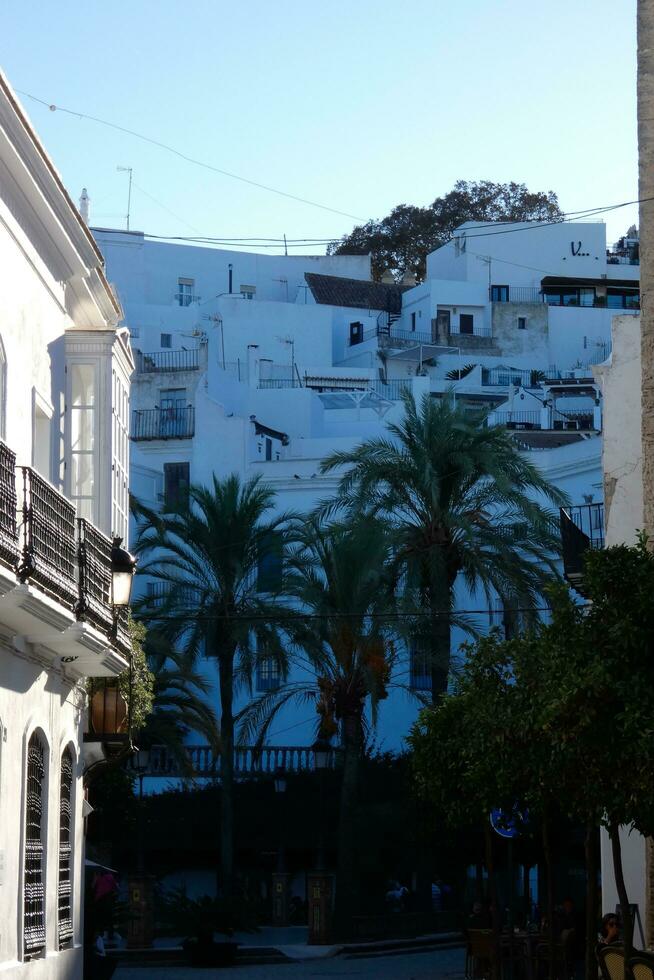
448, 963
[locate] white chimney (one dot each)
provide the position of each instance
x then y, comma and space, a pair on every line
84, 203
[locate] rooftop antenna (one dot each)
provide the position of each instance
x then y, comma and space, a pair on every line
127, 170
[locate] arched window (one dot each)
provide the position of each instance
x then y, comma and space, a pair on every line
66, 827
34, 908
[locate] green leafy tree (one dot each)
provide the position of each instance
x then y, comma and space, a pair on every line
341, 577
208, 554
401, 241
462, 501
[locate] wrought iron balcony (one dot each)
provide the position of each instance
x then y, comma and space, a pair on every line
8, 503
582, 528
516, 294
517, 420
94, 556
47, 538
163, 423
165, 361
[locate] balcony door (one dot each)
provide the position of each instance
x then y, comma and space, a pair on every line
443, 320
173, 405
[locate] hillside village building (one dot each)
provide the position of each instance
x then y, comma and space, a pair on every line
65, 369
265, 364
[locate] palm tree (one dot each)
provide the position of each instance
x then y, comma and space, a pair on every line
341, 577
462, 500
210, 554
180, 703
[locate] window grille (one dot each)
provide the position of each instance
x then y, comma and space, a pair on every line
65, 917
420, 664
34, 908
268, 675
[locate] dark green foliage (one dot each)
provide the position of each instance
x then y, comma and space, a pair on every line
456, 375
401, 241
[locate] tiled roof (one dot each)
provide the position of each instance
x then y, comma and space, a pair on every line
362, 294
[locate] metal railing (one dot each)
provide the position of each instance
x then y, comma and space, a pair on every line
405, 336
185, 299
582, 528
529, 420
8, 531
280, 383
160, 594
517, 294
455, 331
248, 760
163, 423
504, 377
47, 539
589, 518
160, 362
573, 418
94, 556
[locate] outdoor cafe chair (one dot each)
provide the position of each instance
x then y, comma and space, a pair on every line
611, 961
641, 966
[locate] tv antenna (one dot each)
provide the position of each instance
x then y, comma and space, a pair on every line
127, 170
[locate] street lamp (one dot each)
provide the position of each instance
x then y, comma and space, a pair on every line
141, 764
123, 566
322, 751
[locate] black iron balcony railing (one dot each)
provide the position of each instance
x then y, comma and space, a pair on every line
47, 539
516, 294
582, 528
94, 556
163, 423
514, 420
164, 361
8, 531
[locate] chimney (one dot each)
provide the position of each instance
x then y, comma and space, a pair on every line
84, 203
388, 277
408, 279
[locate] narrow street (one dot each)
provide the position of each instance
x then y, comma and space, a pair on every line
447, 963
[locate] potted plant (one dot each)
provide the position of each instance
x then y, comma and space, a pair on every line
198, 920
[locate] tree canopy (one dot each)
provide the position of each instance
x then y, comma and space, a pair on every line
399, 243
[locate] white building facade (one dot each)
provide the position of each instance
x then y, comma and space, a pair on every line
65, 369
265, 364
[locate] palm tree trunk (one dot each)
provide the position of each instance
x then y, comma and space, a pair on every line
226, 675
438, 642
346, 878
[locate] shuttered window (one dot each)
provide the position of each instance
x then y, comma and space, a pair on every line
65, 915
34, 886
176, 483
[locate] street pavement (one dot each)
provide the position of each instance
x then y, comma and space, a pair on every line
444, 964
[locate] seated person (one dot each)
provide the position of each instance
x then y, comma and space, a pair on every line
609, 930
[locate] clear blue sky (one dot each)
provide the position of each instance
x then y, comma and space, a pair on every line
357, 104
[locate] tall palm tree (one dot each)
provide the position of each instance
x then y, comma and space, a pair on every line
341, 578
209, 554
180, 703
463, 501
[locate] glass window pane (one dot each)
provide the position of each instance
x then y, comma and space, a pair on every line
82, 429
82, 475
82, 384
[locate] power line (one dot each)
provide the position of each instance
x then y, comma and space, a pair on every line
188, 159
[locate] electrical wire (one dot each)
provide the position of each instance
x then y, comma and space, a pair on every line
183, 156
314, 617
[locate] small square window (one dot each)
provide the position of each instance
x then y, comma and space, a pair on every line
166, 340
522, 323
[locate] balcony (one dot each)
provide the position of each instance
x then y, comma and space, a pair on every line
185, 299
248, 760
168, 361
516, 294
517, 420
582, 528
48, 539
486, 332
163, 423
55, 583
